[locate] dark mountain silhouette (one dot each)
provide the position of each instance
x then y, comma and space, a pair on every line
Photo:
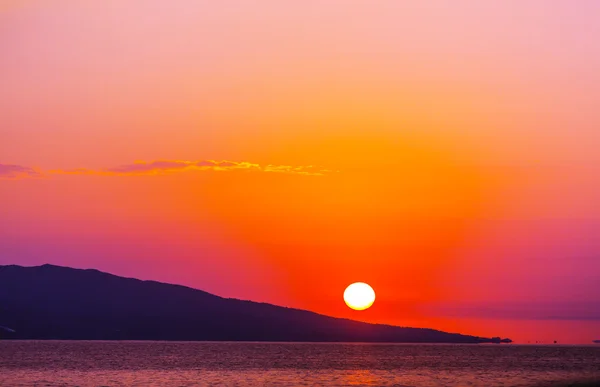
52, 302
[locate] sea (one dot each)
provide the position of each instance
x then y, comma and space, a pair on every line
120, 363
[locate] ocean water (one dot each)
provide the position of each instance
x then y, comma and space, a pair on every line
87, 363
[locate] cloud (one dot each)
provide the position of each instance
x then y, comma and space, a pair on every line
161, 167
168, 166
576, 310
9, 171
301, 170
152, 167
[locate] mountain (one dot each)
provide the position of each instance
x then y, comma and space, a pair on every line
53, 302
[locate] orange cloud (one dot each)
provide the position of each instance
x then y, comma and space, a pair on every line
160, 167
10, 171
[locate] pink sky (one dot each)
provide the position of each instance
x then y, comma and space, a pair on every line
444, 151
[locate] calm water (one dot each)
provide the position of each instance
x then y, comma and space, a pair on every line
59, 363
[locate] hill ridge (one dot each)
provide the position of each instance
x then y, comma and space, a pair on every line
68, 303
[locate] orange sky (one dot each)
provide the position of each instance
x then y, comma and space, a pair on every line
443, 151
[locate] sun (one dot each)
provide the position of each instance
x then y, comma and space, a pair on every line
359, 296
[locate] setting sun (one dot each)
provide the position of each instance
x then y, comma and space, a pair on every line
359, 296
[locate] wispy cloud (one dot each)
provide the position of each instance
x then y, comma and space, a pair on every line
161, 167
543, 310
301, 170
11, 171
168, 166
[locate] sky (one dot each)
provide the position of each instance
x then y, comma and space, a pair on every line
445, 152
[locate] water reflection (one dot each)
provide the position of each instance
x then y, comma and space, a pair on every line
258, 364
